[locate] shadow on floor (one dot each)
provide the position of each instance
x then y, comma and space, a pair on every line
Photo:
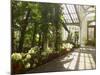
80, 59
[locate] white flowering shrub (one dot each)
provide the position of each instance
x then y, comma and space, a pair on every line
16, 56
28, 56
28, 65
67, 46
33, 50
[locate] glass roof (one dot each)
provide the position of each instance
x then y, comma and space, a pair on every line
70, 14
89, 9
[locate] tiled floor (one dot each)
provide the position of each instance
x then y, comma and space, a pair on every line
80, 59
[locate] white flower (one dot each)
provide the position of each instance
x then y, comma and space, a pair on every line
28, 56
27, 65
67, 45
31, 51
16, 56
71, 46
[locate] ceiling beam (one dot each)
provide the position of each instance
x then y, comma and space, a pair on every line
76, 24
70, 23
66, 21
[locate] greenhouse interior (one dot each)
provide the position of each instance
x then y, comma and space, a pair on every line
52, 37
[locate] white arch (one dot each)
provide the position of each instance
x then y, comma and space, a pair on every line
91, 16
93, 23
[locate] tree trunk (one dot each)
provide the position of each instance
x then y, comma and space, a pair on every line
58, 38
40, 38
23, 29
34, 36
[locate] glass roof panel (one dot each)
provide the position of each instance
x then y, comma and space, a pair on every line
70, 13
71, 8
68, 19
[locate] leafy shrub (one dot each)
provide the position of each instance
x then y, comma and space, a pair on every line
32, 59
47, 52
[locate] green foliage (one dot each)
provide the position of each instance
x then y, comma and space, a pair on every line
36, 32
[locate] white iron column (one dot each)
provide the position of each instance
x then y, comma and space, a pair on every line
83, 26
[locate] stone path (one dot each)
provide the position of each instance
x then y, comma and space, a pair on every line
80, 59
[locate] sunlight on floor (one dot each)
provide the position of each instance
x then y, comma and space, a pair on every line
80, 61
71, 65
74, 61
86, 61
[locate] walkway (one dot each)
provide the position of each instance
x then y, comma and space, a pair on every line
80, 59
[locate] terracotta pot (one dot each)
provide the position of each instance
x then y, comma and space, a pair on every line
17, 68
68, 49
